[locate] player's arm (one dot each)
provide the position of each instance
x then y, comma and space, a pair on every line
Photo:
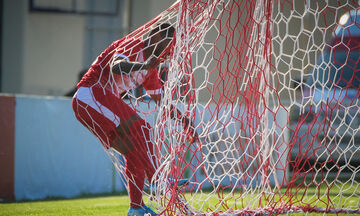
188, 125
156, 98
122, 65
176, 113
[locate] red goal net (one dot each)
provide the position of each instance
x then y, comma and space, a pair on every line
272, 88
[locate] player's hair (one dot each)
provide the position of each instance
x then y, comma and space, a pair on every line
165, 29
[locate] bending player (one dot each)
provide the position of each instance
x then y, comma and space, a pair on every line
97, 104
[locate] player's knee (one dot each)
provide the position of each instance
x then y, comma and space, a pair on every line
122, 145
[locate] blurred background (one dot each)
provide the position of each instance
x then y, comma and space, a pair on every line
45, 44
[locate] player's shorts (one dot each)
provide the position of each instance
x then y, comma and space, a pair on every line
110, 119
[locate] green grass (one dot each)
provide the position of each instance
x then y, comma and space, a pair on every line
104, 205
109, 205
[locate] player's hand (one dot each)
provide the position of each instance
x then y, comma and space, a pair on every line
191, 134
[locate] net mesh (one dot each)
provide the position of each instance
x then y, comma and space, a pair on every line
271, 88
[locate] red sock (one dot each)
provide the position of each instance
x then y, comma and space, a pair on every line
136, 175
138, 162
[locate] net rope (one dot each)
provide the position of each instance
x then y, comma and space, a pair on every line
272, 91
232, 73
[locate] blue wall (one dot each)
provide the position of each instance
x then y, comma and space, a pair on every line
56, 156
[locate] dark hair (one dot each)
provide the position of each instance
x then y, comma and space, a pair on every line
165, 29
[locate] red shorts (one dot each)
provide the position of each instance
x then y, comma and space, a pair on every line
108, 117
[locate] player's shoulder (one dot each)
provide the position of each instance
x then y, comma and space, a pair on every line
129, 45
118, 43
133, 43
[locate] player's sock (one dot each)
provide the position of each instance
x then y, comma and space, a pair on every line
136, 175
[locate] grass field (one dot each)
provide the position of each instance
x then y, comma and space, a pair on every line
105, 205
110, 204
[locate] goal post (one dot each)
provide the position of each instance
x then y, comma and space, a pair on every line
272, 88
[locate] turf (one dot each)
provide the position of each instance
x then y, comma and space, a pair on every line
104, 205
109, 205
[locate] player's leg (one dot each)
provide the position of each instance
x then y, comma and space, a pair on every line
94, 121
134, 130
89, 113
131, 138
136, 185
132, 133
140, 137
138, 154
123, 142
136, 180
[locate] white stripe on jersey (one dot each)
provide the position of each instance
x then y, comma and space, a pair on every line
85, 95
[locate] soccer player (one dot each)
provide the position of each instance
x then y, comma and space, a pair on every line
97, 104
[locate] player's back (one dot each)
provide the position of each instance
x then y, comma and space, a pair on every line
99, 71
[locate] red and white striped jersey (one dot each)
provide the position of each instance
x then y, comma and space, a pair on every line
99, 72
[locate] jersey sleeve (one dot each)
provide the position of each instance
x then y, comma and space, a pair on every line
120, 52
153, 84
128, 50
